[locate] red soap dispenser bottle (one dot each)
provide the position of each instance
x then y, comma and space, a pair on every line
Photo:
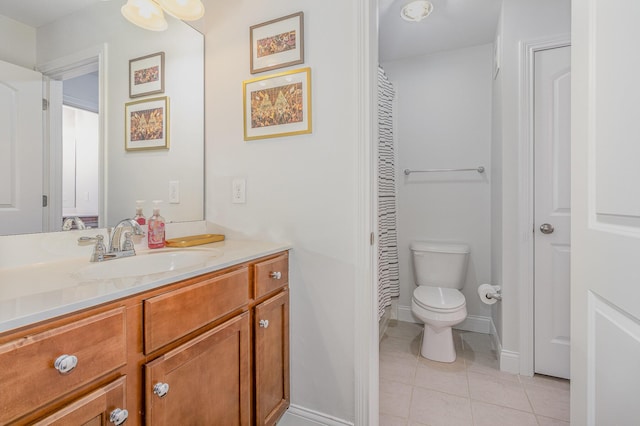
139, 217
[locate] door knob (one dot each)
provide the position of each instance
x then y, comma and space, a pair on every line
546, 228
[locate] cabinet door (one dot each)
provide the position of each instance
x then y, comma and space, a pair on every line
271, 329
94, 409
207, 379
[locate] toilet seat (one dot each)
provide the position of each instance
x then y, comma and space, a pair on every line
438, 299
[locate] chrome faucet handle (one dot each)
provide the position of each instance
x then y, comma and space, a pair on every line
128, 243
99, 250
85, 240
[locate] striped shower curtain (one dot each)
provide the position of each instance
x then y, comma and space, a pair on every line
388, 282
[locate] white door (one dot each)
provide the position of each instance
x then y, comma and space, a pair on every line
605, 233
552, 215
20, 150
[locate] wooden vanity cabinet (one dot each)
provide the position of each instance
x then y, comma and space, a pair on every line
270, 310
220, 341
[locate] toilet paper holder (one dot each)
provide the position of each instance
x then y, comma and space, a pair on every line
497, 295
490, 294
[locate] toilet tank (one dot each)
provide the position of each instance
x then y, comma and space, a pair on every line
438, 264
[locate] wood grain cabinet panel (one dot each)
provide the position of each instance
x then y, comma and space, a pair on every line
93, 409
208, 379
271, 275
27, 373
271, 331
219, 342
171, 315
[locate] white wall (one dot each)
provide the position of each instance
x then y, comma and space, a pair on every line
144, 174
522, 20
444, 121
299, 188
18, 43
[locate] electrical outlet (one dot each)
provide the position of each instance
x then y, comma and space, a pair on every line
174, 192
239, 191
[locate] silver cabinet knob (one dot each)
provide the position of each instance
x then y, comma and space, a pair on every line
161, 389
264, 323
65, 363
118, 416
276, 275
546, 228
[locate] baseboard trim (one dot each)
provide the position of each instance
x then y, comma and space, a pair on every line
476, 323
404, 314
510, 362
295, 414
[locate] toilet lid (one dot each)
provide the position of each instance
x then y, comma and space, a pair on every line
438, 298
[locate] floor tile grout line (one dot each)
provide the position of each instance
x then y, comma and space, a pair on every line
466, 364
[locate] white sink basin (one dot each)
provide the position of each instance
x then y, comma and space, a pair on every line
148, 263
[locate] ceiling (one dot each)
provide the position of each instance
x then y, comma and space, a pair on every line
36, 13
453, 24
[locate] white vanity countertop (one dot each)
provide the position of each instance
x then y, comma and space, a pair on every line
37, 292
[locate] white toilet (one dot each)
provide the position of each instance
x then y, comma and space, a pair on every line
440, 270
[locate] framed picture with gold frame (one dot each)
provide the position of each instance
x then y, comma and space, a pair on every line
277, 43
146, 124
277, 105
146, 75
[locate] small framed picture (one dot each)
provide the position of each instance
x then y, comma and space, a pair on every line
278, 43
277, 105
147, 124
146, 75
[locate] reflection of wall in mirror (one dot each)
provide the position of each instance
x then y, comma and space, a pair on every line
22, 49
133, 175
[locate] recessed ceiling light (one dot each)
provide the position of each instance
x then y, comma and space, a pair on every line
416, 11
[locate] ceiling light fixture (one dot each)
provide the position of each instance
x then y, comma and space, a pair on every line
148, 14
416, 11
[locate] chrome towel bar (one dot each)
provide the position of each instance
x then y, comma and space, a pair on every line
479, 169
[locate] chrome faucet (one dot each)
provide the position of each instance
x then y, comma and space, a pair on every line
117, 248
67, 225
115, 239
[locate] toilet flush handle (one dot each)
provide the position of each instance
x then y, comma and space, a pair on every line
546, 228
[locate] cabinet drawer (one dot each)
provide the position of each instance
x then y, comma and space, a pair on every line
92, 409
27, 365
169, 316
270, 275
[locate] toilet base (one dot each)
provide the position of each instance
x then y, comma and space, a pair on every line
437, 344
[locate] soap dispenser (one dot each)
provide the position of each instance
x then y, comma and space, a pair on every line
139, 217
156, 228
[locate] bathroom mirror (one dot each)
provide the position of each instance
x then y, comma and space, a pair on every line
84, 54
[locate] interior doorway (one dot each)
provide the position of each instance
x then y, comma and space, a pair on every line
73, 166
552, 210
80, 151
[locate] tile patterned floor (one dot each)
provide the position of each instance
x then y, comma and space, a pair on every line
471, 391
